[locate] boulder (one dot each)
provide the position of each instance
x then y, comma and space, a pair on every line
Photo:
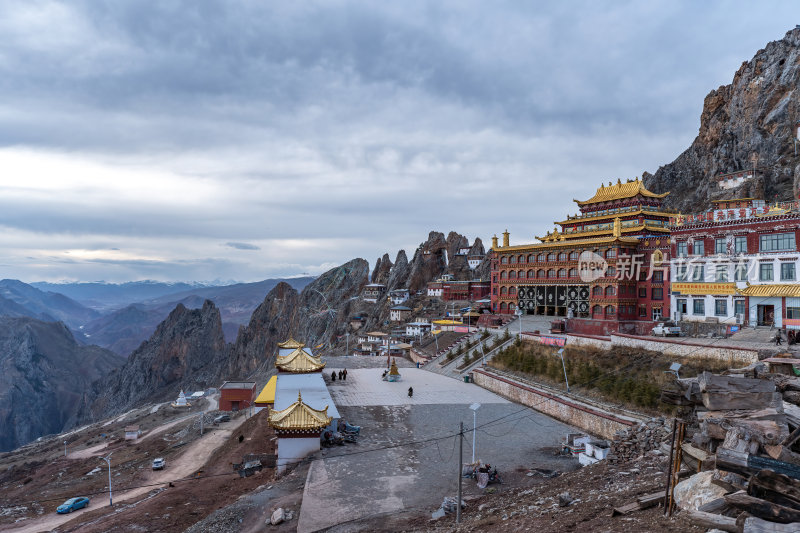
277, 517
697, 490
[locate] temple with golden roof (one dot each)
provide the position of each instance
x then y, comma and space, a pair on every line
299, 428
606, 264
298, 361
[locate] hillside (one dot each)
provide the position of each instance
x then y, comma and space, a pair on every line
749, 121
44, 375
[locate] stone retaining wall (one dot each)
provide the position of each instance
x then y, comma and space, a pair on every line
681, 348
587, 417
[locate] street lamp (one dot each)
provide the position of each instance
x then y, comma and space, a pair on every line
107, 459
474, 407
65, 448
561, 354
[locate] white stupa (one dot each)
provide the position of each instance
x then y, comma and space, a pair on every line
181, 401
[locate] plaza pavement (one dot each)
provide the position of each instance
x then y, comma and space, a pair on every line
390, 471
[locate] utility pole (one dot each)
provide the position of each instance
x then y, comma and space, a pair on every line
460, 469
561, 354
347, 341
65, 448
201, 424
107, 459
474, 407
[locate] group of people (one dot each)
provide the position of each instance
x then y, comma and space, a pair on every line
791, 338
342, 375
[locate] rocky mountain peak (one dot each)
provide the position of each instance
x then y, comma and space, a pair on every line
748, 123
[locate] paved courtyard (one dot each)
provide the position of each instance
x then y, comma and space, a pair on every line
384, 474
365, 387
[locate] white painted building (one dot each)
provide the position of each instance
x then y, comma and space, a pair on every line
398, 313
398, 296
416, 329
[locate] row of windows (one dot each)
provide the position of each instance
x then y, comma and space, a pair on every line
550, 273
766, 272
552, 256
656, 293
720, 307
773, 242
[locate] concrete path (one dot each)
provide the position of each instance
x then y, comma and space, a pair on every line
390, 471
365, 387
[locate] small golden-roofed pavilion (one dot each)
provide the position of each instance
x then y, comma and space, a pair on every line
299, 361
300, 417
619, 191
291, 344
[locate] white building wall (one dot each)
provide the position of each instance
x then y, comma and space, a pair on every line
291, 451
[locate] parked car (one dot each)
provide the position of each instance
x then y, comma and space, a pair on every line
665, 329
222, 418
73, 504
159, 463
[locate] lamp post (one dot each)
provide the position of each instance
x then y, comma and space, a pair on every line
347, 341
107, 459
474, 407
65, 448
561, 354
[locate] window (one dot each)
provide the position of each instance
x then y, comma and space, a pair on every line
597, 290
512, 291
611, 254
765, 272
722, 273
721, 307
699, 248
719, 246
503, 274
530, 274
642, 292
531, 258
698, 307
610, 310
787, 271
680, 273
502, 306
574, 256
740, 244
658, 293
551, 273
494, 290
522, 259
776, 242
494, 278
658, 276
611, 272
683, 249
562, 256
540, 273
740, 274
551, 257
698, 273
682, 307
793, 312
512, 274
562, 273
642, 310
541, 257
504, 260
656, 313
573, 272
503, 291
597, 310
609, 291
738, 307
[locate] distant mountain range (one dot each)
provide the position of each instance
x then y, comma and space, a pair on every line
27, 300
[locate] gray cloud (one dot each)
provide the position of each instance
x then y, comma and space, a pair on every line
242, 246
346, 128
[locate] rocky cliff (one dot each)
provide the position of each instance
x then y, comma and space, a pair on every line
187, 351
44, 375
748, 122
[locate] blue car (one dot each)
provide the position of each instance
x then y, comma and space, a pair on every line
72, 504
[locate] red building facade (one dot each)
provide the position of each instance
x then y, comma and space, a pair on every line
235, 395
606, 269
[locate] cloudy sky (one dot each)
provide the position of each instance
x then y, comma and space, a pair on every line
186, 140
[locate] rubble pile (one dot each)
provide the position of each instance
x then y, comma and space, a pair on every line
630, 444
740, 434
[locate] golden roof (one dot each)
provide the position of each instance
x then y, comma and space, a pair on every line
621, 214
629, 189
267, 394
570, 242
788, 290
299, 361
299, 416
291, 344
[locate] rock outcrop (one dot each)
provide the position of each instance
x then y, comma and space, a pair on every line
749, 122
44, 375
383, 266
187, 351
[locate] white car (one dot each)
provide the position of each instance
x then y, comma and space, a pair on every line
159, 463
663, 330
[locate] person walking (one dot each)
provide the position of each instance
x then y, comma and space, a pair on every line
340, 375
778, 338
344, 374
333, 376
410, 392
